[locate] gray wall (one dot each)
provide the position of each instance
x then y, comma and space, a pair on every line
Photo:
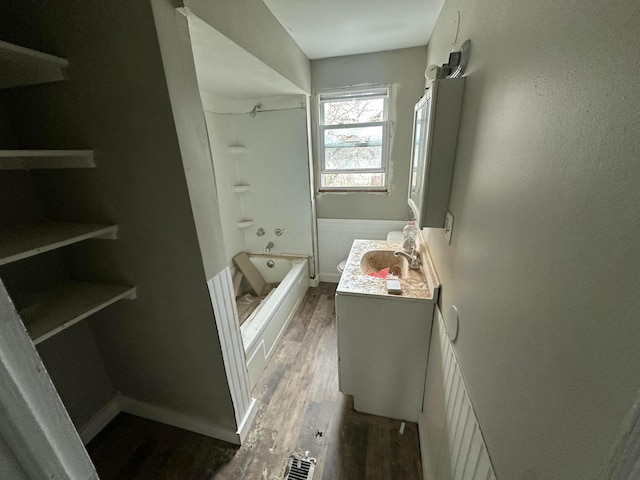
405, 68
543, 264
162, 348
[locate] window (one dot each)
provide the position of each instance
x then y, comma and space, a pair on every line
354, 138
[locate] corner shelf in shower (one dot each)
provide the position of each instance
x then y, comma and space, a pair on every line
241, 188
244, 224
237, 149
24, 66
45, 159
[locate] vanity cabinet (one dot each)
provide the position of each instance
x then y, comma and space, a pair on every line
383, 345
383, 339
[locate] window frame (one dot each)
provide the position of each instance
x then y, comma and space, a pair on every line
369, 92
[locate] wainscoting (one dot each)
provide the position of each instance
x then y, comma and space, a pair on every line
451, 442
224, 307
335, 236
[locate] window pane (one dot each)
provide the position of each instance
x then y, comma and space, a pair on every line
352, 180
353, 148
353, 111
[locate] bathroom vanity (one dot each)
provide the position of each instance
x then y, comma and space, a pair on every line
383, 339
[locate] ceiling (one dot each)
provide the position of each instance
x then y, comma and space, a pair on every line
322, 28
332, 28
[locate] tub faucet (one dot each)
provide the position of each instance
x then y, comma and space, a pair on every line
270, 245
414, 261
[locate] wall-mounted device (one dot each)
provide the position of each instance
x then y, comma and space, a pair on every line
435, 135
455, 66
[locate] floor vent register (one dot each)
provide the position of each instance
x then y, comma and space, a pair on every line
300, 468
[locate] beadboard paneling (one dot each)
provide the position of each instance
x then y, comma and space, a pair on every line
224, 308
335, 236
451, 441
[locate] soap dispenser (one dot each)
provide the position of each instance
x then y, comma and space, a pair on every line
409, 234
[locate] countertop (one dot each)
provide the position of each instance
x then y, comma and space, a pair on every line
354, 282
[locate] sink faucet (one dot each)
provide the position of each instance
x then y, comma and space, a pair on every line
414, 261
268, 248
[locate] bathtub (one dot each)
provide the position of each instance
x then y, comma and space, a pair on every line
262, 330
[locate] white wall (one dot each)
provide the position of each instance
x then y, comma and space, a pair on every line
336, 235
543, 263
275, 165
226, 167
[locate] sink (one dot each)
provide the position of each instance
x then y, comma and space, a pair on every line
375, 260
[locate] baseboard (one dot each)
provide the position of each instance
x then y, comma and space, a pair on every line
99, 420
330, 277
423, 447
247, 421
314, 282
180, 420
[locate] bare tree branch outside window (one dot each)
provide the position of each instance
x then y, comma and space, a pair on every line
354, 137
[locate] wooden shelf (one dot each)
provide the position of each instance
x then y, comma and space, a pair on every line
28, 240
236, 149
22, 66
45, 159
244, 223
241, 188
64, 305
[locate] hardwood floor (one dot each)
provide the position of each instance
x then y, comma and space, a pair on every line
300, 411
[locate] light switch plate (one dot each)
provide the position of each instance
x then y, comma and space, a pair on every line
448, 227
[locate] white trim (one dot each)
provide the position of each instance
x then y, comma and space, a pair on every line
34, 422
177, 419
330, 277
247, 421
122, 403
100, 420
383, 92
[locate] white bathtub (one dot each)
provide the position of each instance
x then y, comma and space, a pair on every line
262, 330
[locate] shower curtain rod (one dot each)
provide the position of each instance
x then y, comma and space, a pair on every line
257, 111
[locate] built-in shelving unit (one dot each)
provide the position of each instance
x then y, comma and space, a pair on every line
27, 240
22, 66
241, 188
65, 305
45, 159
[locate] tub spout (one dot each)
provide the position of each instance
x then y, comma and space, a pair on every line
268, 248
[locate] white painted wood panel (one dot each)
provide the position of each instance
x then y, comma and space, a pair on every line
66, 304
335, 236
24, 66
382, 355
34, 422
24, 241
235, 364
451, 441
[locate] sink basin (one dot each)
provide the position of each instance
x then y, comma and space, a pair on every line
375, 260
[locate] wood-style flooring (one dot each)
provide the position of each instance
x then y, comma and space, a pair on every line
300, 411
